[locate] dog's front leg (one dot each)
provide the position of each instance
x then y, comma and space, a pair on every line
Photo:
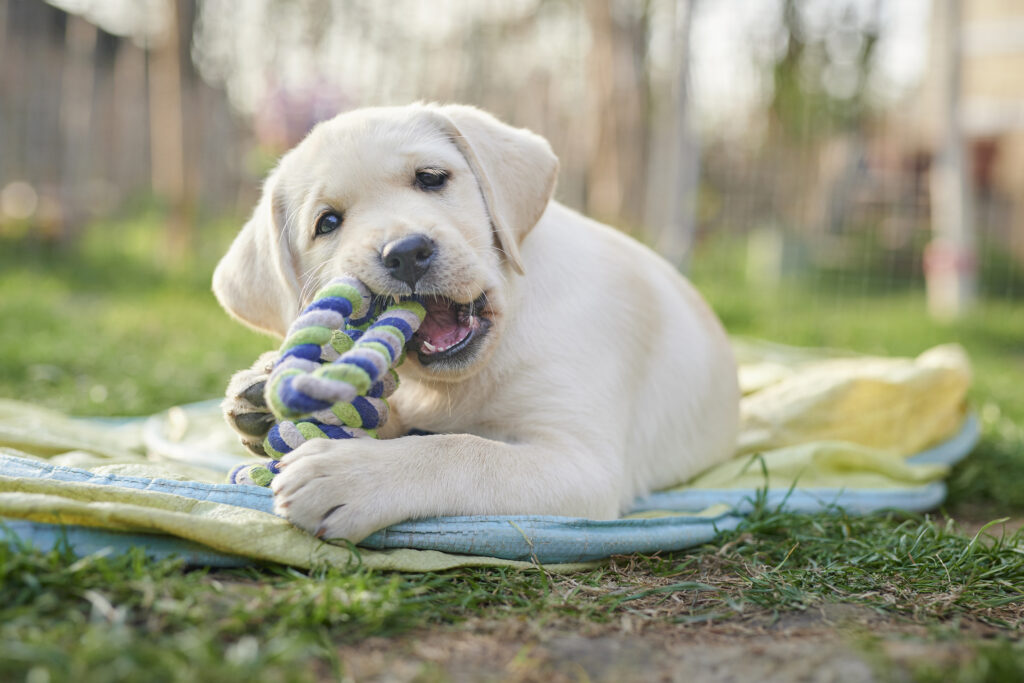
349, 489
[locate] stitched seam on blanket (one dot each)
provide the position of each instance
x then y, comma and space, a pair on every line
51, 471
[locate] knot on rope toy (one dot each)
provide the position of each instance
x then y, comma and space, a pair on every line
334, 372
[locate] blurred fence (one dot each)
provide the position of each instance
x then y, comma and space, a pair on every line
85, 124
823, 167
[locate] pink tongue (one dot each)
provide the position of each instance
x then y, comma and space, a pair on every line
441, 326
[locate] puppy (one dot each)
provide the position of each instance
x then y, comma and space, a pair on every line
562, 368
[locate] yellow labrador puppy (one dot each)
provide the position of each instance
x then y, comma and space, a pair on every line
562, 368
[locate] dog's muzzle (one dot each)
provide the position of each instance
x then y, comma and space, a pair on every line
408, 258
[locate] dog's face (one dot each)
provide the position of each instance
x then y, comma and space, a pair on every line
423, 200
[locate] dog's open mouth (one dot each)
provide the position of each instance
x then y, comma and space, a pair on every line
451, 330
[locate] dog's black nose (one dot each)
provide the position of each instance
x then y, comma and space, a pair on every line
408, 258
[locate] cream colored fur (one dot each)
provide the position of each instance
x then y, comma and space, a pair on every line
604, 375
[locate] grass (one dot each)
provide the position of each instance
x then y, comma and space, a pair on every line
792, 562
107, 329
108, 619
992, 662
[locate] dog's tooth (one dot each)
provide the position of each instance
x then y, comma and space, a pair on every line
428, 347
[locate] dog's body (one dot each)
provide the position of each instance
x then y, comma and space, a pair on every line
597, 376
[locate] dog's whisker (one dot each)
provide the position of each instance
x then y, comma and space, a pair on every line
313, 268
313, 279
308, 278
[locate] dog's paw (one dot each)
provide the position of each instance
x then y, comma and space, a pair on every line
335, 490
245, 409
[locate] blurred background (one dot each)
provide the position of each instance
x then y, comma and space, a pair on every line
841, 173
844, 135
816, 129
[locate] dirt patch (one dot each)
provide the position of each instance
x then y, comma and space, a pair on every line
838, 642
555, 657
688, 619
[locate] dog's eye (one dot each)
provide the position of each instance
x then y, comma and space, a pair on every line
431, 178
328, 222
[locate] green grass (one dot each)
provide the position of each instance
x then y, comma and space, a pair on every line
111, 619
108, 619
109, 329
991, 663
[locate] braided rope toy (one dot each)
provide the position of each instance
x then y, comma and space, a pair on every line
334, 372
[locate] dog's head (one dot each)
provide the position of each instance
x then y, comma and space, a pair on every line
424, 199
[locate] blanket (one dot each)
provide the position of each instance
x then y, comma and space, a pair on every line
820, 430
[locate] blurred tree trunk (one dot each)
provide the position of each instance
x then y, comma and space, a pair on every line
619, 110
131, 167
166, 125
76, 109
676, 239
7, 83
951, 269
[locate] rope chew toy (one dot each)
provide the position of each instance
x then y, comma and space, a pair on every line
335, 370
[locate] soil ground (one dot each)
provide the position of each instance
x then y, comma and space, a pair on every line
828, 643
834, 643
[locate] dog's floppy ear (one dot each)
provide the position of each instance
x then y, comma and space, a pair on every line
255, 281
515, 169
